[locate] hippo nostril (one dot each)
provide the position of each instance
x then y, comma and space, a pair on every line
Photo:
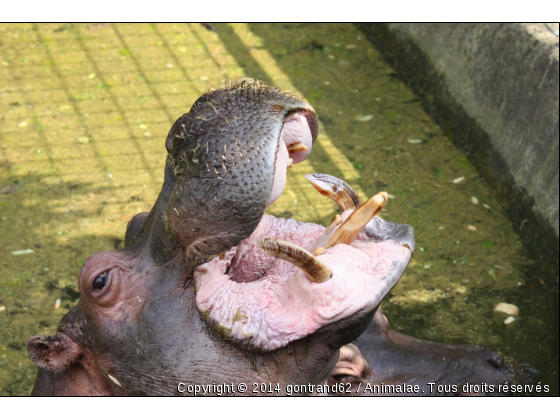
496, 360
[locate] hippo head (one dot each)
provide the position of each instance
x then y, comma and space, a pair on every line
381, 359
209, 290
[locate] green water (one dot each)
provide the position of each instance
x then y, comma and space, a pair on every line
85, 111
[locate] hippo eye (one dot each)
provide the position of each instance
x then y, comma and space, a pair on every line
100, 281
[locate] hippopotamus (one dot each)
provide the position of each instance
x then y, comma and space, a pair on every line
210, 290
385, 362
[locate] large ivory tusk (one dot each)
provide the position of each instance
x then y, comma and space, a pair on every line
304, 260
353, 225
336, 189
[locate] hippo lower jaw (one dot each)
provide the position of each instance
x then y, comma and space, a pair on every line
262, 302
280, 303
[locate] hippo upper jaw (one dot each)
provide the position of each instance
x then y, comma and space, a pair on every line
227, 160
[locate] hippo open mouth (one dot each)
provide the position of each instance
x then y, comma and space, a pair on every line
210, 290
288, 279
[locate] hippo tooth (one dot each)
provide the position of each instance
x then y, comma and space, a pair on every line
319, 250
115, 381
353, 225
304, 260
335, 189
336, 220
297, 147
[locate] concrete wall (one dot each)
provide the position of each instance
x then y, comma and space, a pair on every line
494, 89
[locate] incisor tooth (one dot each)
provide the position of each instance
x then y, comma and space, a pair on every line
335, 221
319, 251
335, 189
304, 260
353, 225
297, 147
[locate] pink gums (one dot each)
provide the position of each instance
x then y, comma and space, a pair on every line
284, 305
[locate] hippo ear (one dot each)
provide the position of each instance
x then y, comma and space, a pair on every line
54, 352
380, 322
134, 225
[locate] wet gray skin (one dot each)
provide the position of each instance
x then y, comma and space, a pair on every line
139, 329
381, 356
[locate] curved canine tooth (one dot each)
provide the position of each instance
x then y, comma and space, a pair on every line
336, 189
304, 260
297, 147
352, 226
